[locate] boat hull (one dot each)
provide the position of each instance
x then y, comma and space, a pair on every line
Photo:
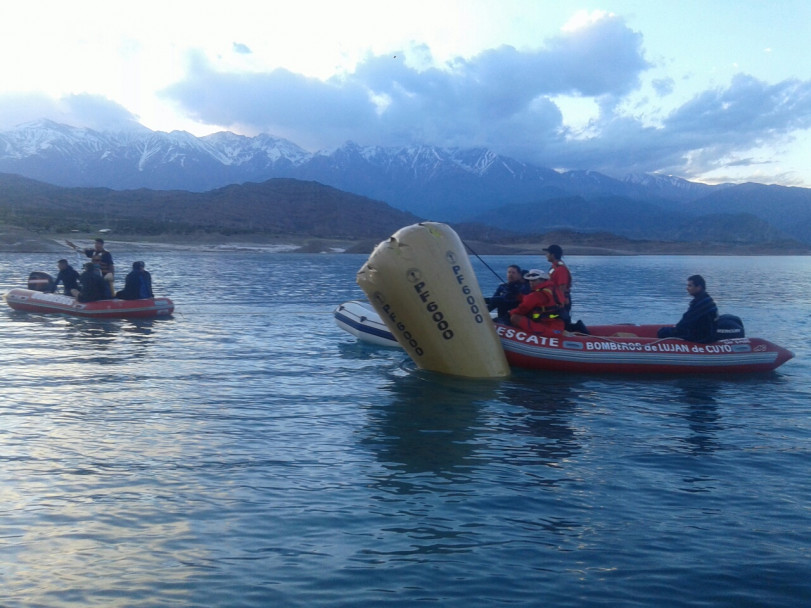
610, 349
362, 321
630, 349
28, 300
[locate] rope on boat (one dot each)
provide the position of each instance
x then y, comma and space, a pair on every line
498, 276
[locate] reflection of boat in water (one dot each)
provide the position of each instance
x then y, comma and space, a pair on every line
29, 300
608, 349
410, 433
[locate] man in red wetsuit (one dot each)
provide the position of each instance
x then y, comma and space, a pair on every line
560, 276
539, 310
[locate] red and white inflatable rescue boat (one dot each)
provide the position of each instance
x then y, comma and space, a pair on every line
423, 291
30, 300
632, 349
636, 349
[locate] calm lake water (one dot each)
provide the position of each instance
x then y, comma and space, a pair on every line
247, 452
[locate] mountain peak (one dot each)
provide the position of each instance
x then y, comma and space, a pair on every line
444, 184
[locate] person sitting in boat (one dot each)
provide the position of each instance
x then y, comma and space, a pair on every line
539, 311
507, 295
68, 276
93, 287
138, 284
102, 258
698, 324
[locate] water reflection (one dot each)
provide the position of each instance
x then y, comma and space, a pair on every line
124, 338
548, 406
701, 413
428, 423
436, 424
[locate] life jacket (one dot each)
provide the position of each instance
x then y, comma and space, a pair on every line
560, 275
546, 327
97, 257
551, 311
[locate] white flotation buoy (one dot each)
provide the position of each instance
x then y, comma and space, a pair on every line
421, 283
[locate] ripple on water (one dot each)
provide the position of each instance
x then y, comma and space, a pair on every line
248, 452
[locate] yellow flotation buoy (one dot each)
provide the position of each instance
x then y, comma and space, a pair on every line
421, 283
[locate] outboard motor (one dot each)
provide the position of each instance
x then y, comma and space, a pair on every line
41, 281
729, 326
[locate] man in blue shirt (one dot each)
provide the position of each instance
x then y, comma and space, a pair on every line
699, 322
138, 284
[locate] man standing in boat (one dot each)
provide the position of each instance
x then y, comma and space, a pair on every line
101, 258
698, 324
560, 276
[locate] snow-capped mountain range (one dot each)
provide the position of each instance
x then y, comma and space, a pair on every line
407, 178
445, 184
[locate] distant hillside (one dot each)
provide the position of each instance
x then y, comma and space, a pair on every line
787, 209
298, 211
639, 220
629, 218
277, 206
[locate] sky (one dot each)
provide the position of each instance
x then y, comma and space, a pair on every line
708, 90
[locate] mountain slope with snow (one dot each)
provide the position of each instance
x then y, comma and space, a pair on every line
443, 184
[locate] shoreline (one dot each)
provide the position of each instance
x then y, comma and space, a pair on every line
17, 240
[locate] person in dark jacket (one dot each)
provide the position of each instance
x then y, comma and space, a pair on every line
699, 322
92, 286
508, 295
138, 284
68, 277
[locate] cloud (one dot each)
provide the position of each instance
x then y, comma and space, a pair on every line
663, 86
504, 98
98, 112
84, 110
748, 108
499, 95
280, 102
717, 128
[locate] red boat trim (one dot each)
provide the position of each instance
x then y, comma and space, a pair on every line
27, 300
633, 354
